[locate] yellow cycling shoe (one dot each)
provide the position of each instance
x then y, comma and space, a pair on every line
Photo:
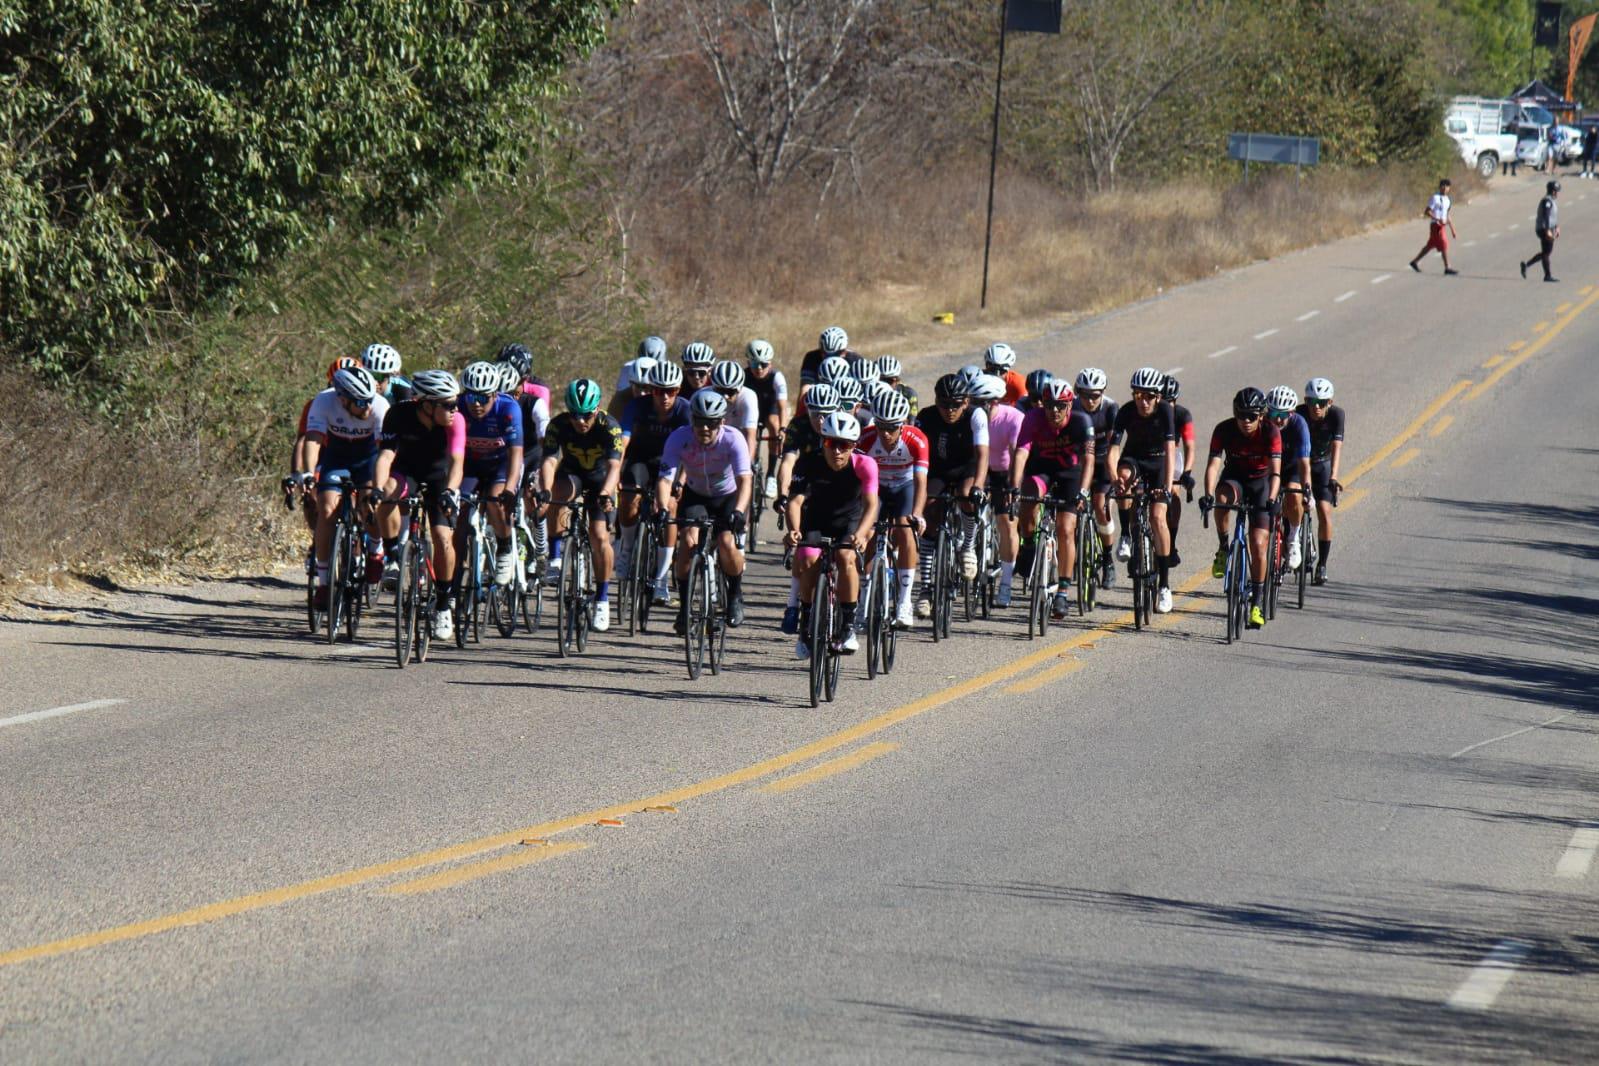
1218, 569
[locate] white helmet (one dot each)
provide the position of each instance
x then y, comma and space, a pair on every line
355, 385
643, 367
760, 353
1282, 398
850, 394
727, 375
1091, 378
1001, 355
988, 387
879, 389
480, 377
888, 367
866, 371
510, 379
841, 425
822, 398
709, 405
832, 370
698, 354
651, 348
891, 409
969, 374
381, 359
833, 340
435, 385
1318, 389
1148, 379
665, 375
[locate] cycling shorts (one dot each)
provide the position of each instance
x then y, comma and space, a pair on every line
1102, 475
896, 501
1321, 481
1252, 493
589, 483
1149, 472
484, 476
430, 490
953, 475
642, 475
356, 473
720, 509
1064, 485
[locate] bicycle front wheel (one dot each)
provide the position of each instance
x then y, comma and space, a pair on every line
873, 604
697, 610
818, 639
405, 606
717, 645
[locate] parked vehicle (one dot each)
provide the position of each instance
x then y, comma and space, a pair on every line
1532, 146
1483, 129
1567, 142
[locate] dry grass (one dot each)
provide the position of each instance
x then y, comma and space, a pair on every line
730, 271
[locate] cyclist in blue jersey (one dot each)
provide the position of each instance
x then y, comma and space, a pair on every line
383, 363
712, 461
494, 452
1281, 407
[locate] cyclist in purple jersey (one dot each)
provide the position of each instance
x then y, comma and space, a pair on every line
711, 461
1101, 414
1143, 450
1326, 423
835, 497
1054, 454
494, 453
1245, 467
1281, 410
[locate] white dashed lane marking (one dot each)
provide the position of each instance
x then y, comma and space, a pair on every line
1380, 278
56, 712
1578, 856
1346, 296
1222, 352
1307, 316
1488, 979
1263, 334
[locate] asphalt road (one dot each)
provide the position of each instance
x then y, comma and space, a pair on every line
1365, 834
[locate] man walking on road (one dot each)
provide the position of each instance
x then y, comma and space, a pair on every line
1437, 215
1548, 227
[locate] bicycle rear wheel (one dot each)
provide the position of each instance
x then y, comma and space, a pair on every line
697, 610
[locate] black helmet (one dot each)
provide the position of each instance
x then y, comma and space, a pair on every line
518, 356
1172, 390
949, 387
1036, 382
1249, 401
1553, 186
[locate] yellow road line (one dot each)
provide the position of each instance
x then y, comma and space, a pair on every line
1585, 290
1563, 308
1493, 361
1351, 498
457, 874
1516, 346
1439, 426
1539, 327
1409, 431
1405, 459
1044, 677
830, 767
1533, 349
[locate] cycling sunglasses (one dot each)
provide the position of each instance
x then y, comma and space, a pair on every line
1056, 405
729, 393
1321, 403
839, 445
707, 423
476, 398
1281, 414
1145, 394
1093, 395
1248, 416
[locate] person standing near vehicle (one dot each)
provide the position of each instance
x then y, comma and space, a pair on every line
1548, 226
1437, 215
1590, 150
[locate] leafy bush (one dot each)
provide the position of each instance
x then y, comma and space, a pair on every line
155, 151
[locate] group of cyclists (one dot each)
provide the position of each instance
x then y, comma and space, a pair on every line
849, 455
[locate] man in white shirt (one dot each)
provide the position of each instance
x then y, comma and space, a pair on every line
1437, 215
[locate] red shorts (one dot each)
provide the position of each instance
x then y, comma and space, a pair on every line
1436, 237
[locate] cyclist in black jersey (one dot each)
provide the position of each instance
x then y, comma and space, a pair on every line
1143, 451
583, 453
647, 421
1101, 413
771, 398
1183, 423
801, 440
957, 455
1326, 421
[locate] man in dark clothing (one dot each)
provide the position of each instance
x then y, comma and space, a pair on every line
1548, 226
1590, 150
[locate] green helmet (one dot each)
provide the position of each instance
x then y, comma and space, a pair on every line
583, 396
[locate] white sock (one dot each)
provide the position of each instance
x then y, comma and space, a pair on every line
907, 582
1007, 571
663, 562
793, 592
1293, 531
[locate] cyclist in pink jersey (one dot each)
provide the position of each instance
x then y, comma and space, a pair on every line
834, 498
900, 452
1004, 428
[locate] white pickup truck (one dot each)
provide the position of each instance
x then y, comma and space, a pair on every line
1484, 129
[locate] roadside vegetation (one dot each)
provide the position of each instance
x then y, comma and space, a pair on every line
189, 239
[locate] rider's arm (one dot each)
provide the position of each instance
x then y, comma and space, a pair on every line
795, 508
1274, 483
513, 473
313, 449
1212, 473
1337, 453
746, 485
613, 475
1169, 474
552, 459
785, 471
381, 466
1018, 464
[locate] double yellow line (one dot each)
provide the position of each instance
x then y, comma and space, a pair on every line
212, 912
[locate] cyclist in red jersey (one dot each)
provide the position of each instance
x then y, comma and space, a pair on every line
900, 452
1000, 361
